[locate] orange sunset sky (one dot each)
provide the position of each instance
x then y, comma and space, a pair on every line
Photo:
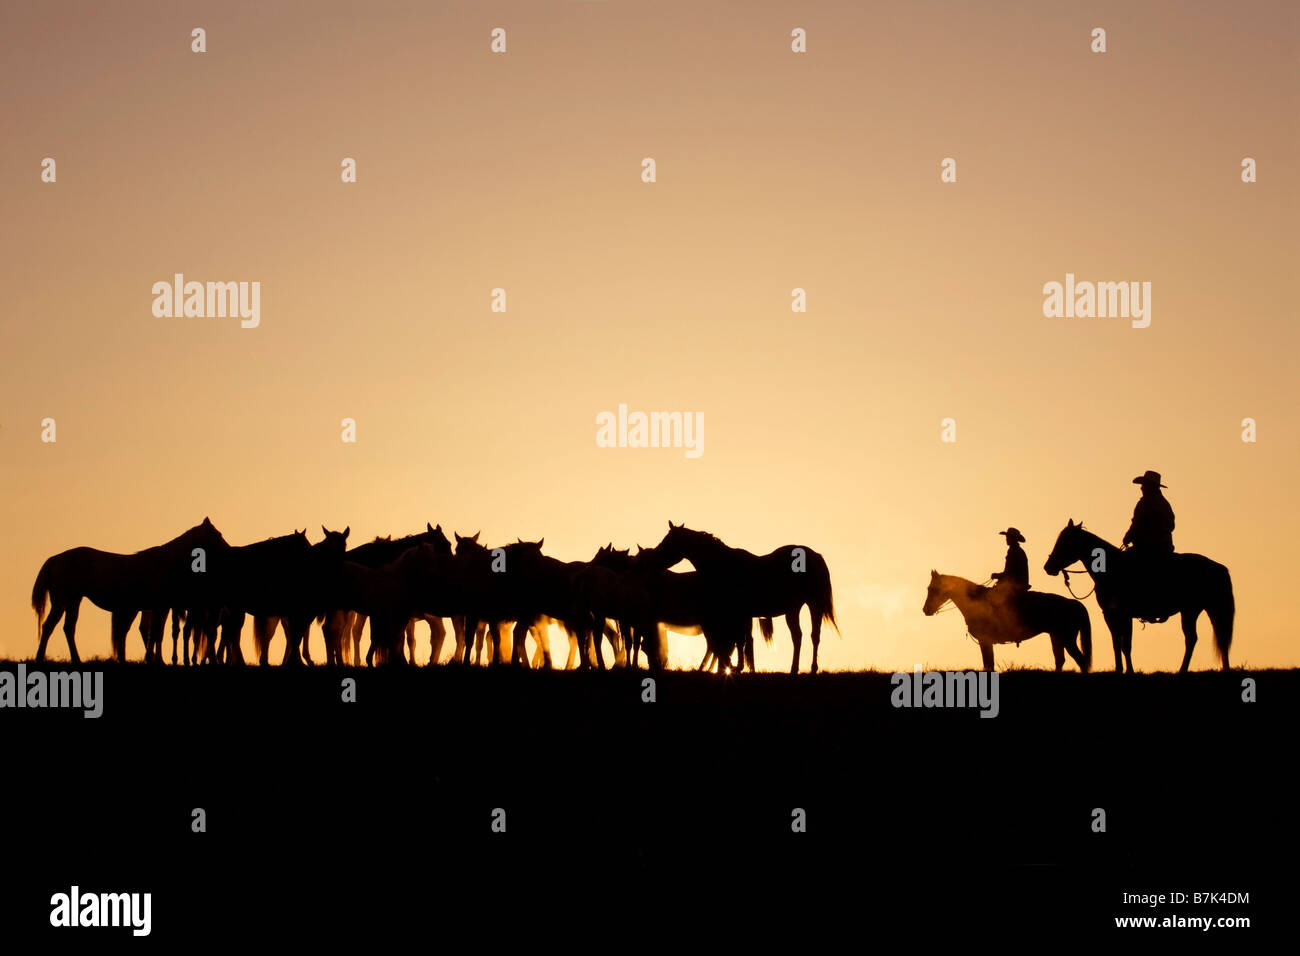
775, 170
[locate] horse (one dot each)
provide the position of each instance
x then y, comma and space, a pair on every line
174, 574
1193, 584
280, 581
341, 623
994, 617
422, 581
678, 604
740, 582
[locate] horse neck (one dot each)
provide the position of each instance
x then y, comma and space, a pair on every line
958, 590
706, 553
1091, 542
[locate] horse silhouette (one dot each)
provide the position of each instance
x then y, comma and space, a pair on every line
283, 581
996, 617
494, 626
343, 626
762, 586
1193, 584
124, 584
679, 604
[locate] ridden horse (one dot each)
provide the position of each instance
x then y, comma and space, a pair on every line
740, 582
994, 617
175, 574
1193, 584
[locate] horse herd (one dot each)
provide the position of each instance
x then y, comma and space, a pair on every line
494, 596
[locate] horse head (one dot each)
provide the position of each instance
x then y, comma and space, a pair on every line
436, 537
934, 595
466, 544
1069, 548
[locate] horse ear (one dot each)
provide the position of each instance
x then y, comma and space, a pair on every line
540, 542
476, 534
1071, 524
347, 531
428, 526
323, 530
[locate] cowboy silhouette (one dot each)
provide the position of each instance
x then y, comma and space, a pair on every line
1150, 538
1152, 530
1014, 576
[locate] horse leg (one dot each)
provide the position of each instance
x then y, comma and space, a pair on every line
543, 638
1116, 622
121, 625
157, 632
305, 641
146, 632
263, 629
1188, 617
176, 630
573, 650
796, 634
519, 643
71, 612
816, 634
1070, 643
47, 628
437, 636
986, 654
1058, 652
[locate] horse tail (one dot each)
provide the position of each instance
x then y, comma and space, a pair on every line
39, 591
765, 626
1085, 637
825, 600
1222, 611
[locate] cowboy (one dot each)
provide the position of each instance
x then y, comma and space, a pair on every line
1151, 533
1150, 541
1014, 575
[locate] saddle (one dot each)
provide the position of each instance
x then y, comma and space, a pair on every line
1150, 592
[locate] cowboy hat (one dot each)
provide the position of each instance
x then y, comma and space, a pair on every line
1012, 535
1150, 478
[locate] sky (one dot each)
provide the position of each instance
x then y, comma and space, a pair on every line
774, 171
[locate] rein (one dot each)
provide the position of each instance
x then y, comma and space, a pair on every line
1066, 575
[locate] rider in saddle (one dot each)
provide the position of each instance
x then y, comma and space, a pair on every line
1150, 538
1013, 579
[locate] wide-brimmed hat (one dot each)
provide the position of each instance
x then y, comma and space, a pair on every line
1150, 478
1013, 535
